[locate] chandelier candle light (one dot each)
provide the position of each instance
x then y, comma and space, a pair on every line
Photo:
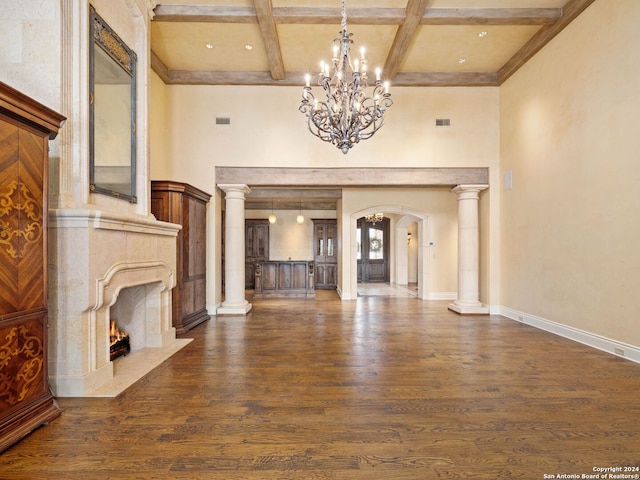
348, 115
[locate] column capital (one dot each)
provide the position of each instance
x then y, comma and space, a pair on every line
238, 190
471, 190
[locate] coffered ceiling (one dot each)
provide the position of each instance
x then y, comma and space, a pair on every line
416, 42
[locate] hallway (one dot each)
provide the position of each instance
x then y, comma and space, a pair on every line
387, 290
386, 388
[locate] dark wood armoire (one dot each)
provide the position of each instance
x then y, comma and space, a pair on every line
186, 205
26, 402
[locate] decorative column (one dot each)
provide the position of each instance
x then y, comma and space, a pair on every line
74, 138
468, 251
234, 302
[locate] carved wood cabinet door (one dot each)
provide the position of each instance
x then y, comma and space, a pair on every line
325, 254
256, 248
25, 399
23, 306
21, 219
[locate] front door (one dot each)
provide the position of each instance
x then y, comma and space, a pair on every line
373, 250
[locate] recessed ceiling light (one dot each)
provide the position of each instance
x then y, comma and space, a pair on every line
209, 45
482, 34
462, 60
248, 46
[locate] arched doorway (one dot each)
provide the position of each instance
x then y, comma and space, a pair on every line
398, 245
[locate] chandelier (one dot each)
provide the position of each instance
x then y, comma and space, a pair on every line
347, 115
374, 218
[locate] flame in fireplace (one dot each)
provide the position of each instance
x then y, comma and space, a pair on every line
119, 341
116, 334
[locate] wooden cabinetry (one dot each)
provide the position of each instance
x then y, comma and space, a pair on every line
186, 205
26, 401
325, 245
256, 241
284, 279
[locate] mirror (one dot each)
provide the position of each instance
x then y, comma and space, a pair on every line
112, 124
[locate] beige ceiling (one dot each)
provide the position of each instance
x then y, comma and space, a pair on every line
416, 42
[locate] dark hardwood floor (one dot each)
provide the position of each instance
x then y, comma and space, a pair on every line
377, 388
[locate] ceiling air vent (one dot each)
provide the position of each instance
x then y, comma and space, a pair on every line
223, 121
443, 122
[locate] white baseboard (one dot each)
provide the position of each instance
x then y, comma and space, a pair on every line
343, 296
213, 309
620, 349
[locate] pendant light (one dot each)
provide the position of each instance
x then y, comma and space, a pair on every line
300, 217
272, 217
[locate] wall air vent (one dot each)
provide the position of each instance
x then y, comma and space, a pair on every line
443, 122
223, 121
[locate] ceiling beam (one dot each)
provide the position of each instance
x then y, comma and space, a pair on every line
570, 11
491, 16
264, 11
358, 16
297, 79
289, 205
212, 77
404, 36
351, 177
204, 13
445, 79
160, 68
333, 16
295, 194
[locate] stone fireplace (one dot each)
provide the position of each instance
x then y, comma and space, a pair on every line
102, 266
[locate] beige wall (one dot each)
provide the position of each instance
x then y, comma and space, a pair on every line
267, 130
439, 209
158, 129
569, 134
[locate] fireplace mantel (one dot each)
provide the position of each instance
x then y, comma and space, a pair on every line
95, 255
108, 220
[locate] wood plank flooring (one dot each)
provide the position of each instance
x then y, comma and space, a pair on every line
376, 388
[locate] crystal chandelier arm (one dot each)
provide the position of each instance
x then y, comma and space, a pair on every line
372, 112
318, 116
319, 122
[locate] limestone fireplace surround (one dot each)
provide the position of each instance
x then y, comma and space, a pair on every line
94, 258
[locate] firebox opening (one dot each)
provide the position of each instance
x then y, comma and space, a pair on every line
119, 341
133, 309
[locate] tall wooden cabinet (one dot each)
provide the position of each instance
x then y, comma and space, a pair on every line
186, 205
26, 401
256, 248
325, 255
